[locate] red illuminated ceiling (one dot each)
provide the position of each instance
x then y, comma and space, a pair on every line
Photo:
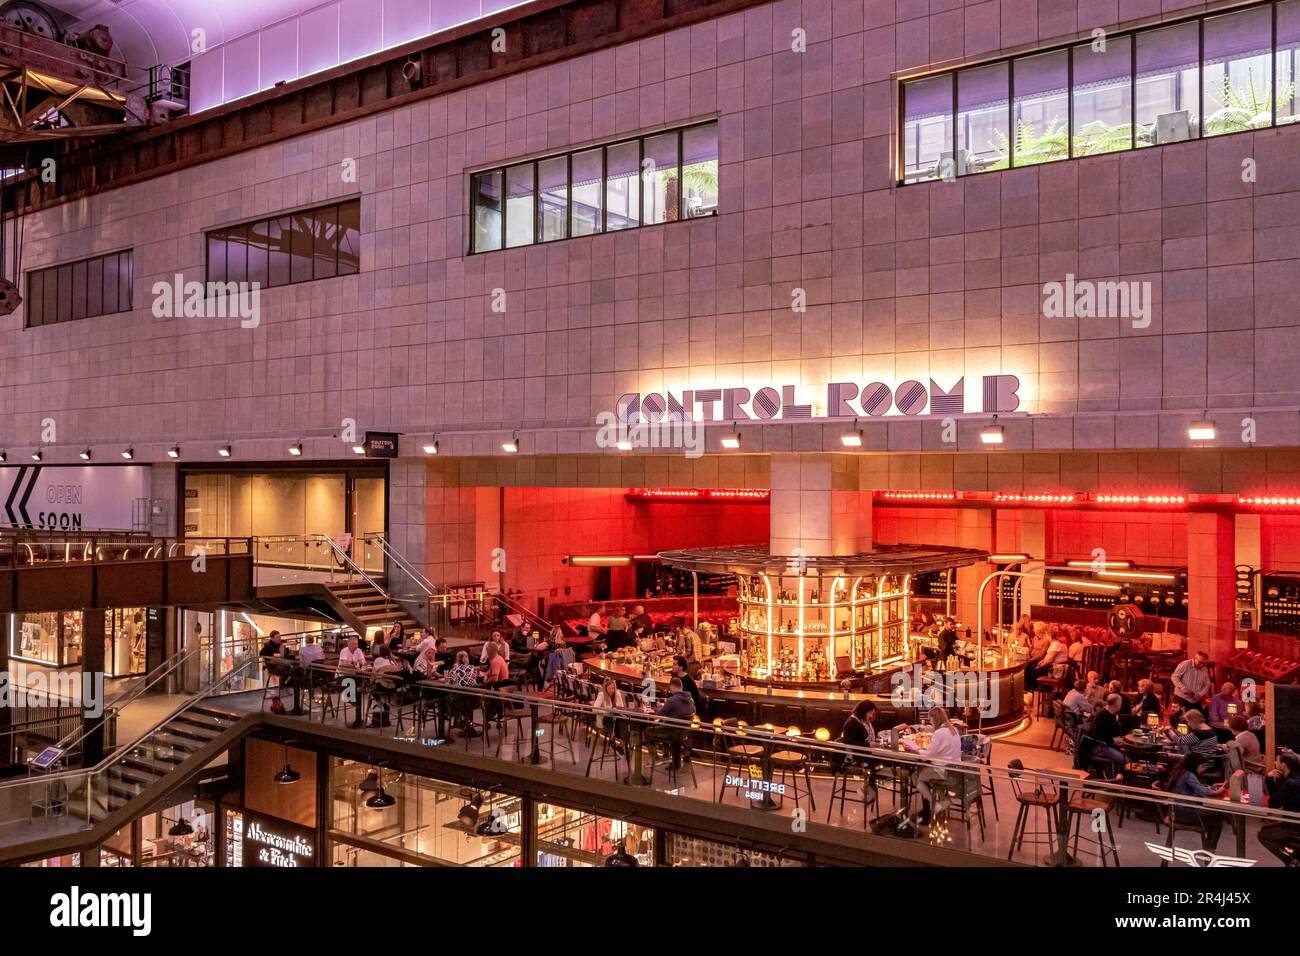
1091, 500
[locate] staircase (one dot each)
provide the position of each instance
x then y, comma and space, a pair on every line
149, 760
364, 606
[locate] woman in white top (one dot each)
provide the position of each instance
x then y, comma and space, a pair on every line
945, 744
502, 647
609, 698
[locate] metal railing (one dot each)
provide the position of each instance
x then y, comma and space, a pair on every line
574, 737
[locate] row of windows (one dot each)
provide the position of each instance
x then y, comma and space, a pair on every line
100, 285
663, 177
1205, 77
297, 247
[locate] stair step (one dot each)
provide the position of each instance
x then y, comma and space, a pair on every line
199, 733
217, 723
169, 738
133, 774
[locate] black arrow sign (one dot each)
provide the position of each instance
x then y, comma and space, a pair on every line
13, 491
22, 505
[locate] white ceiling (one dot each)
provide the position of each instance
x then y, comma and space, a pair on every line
269, 40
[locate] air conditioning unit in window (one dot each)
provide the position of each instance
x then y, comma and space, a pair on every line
1174, 127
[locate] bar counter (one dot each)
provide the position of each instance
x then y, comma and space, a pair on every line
816, 708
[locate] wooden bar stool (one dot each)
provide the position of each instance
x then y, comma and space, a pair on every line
789, 765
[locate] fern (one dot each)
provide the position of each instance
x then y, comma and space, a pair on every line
1242, 109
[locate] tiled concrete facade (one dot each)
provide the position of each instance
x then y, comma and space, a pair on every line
935, 279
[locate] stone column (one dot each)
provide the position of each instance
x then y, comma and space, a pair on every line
1035, 541
817, 507
166, 514
974, 530
1211, 586
407, 483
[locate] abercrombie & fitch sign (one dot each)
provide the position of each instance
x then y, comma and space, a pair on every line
998, 393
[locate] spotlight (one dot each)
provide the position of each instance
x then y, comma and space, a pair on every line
853, 438
1203, 430
36, 455
511, 444
224, 451
85, 455
296, 450
358, 449
431, 448
623, 445
994, 434
174, 451
731, 441
128, 453
4, 456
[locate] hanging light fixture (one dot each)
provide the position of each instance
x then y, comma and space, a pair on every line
180, 828
287, 774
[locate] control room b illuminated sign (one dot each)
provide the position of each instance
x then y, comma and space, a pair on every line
911, 398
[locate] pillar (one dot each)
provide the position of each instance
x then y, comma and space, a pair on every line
974, 530
1211, 586
164, 517
407, 482
817, 507
1035, 541
93, 624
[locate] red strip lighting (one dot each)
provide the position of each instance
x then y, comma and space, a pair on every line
1038, 499
1268, 501
1149, 501
742, 495
917, 495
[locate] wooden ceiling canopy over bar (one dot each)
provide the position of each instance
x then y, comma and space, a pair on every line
885, 559
535, 35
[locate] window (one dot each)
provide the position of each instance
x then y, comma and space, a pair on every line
1209, 75
1235, 74
927, 127
1103, 101
663, 177
983, 114
316, 243
1168, 91
79, 290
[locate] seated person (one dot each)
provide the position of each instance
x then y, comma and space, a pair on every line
642, 620
1247, 744
284, 673
494, 640
678, 706
427, 664
1115, 687
1283, 787
1183, 779
1200, 738
1106, 733
609, 698
1076, 699
1226, 703
1148, 701
945, 744
462, 673
523, 639
352, 656
859, 728
447, 658
497, 671
1097, 691
311, 652
428, 640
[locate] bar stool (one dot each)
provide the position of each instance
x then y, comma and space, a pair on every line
608, 742
739, 756
1084, 806
788, 765
1044, 693
842, 772
1039, 801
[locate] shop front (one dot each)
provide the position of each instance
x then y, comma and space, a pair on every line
286, 507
